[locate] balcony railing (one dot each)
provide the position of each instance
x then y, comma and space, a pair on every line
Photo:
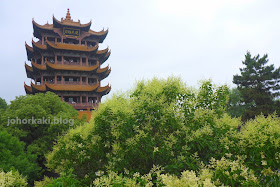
70, 83
71, 63
83, 105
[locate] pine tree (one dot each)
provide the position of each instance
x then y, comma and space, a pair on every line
258, 85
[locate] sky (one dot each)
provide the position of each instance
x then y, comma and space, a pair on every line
196, 40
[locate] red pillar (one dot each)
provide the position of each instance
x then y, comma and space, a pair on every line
42, 79
55, 78
55, 59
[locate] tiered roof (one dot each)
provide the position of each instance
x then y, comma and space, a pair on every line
103, 55
102, 72
61, 87
68, 22
47, 68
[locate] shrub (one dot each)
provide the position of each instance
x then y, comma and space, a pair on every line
13, 156
160, 122
12, 179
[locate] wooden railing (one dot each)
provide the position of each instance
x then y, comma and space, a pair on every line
70, 83
71, 63
83, 105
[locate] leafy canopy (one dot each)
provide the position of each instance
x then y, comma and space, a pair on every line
258, 85
37, 120
160, 122
13, 156
3, 104
183, 132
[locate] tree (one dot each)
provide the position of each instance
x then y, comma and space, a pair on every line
236, 107
160, 122
13, 156
258, 84
12, 178
3, 104
37, 120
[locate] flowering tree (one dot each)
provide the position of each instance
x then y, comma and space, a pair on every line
160, 122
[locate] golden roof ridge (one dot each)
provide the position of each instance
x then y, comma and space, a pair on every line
28, 47
38, 66
72, 47
45, 26
106, 89
103, 51
29, 68
72, 67
70, 22
102, 70
41, 88
28, 88
40, 46
62, 87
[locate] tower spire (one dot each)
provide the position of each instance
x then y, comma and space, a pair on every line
68, 16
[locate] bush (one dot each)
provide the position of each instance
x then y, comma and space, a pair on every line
12, 179
160, 122
13, 156
31, 118
63, 181
185, 131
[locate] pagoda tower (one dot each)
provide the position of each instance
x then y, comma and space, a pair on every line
66, 60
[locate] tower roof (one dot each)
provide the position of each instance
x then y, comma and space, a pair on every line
68, 16
67, 22
72, 47
33, 88
72, 67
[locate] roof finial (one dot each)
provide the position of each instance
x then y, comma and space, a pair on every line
68, 16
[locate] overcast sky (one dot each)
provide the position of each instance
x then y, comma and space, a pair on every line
193, 39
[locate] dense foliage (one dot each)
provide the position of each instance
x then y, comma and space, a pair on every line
12, 179
37, 120
258, 85
160, 122
3, 104
236, 107
13, 156
165, 133
161, 133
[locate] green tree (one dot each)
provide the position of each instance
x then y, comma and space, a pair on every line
160, 122
37, 120
3, 104
12, 179
236, 107
258, 84
13, 156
